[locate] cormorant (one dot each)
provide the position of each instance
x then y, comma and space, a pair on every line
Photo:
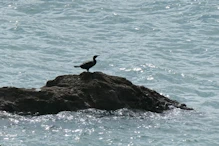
89, 64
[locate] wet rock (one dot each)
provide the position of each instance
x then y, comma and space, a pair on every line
87, 90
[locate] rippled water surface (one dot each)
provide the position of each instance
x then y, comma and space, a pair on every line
169, 46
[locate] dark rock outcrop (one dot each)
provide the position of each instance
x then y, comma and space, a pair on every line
87, 90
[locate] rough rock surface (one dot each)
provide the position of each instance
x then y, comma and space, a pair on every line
87, 90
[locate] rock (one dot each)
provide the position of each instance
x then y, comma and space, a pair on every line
87, 90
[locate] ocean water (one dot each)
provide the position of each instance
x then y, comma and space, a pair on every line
170, 46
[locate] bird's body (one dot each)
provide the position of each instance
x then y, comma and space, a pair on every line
89, 64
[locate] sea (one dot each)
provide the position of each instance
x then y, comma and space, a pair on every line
170, 46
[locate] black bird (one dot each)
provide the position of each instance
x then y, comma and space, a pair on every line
89, 64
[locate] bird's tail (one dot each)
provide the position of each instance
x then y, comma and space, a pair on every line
76, 66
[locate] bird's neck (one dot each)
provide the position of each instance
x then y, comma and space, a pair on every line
94, 60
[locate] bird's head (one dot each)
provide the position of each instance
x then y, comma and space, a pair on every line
95, 56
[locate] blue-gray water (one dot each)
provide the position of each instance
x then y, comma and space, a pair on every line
170, 46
